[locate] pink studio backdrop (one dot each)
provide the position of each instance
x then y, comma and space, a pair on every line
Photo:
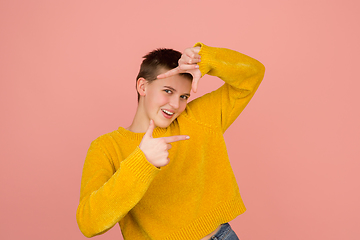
67, 75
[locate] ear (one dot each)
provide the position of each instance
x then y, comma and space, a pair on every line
141, 86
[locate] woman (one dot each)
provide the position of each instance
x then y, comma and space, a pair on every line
168, 176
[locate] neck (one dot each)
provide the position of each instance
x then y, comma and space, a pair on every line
140, 122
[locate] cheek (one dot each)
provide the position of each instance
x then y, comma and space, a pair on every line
162, 99
157, 99
182, 106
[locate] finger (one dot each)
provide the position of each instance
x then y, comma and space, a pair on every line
185, 67
189, 60
196, 49
195, 83
169, 73
150, 129
168, 146
192, 52
175, 138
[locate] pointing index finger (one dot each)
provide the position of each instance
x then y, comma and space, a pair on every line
175, 138
169, 73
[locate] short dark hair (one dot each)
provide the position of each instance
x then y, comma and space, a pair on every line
161, 58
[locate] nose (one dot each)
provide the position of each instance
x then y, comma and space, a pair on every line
174, 102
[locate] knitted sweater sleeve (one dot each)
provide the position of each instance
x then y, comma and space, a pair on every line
107, 195
242, 76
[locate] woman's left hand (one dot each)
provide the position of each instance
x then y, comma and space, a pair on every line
187, 64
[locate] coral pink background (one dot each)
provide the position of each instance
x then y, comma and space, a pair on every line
67, 72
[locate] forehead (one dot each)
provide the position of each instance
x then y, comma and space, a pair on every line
178, 82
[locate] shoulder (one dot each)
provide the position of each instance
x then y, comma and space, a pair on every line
108, 140
106, 137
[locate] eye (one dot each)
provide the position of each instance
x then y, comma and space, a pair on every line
185, 97
167, 91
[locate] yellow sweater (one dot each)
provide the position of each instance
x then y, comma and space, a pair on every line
197, 191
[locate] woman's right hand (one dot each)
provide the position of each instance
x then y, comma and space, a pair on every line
156, 149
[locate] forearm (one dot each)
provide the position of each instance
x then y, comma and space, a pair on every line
102, 207
234, 68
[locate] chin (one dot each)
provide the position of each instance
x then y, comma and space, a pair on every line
163, 124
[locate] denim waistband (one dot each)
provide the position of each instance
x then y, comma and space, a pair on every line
224, 232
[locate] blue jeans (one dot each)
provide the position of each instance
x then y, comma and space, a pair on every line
225, 233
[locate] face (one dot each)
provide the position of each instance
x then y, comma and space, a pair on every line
165, 99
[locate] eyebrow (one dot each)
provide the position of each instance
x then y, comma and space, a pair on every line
174, 90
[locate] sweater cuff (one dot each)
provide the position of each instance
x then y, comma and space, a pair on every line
207, 55
140, 166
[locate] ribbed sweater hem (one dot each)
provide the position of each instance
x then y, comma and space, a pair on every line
224, 212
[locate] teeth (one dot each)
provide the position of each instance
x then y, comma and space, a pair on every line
167, 112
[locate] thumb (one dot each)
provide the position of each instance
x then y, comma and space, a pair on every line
150, 129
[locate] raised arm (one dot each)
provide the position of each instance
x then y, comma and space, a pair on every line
242, 76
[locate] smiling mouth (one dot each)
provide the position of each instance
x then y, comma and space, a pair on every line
167, 112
